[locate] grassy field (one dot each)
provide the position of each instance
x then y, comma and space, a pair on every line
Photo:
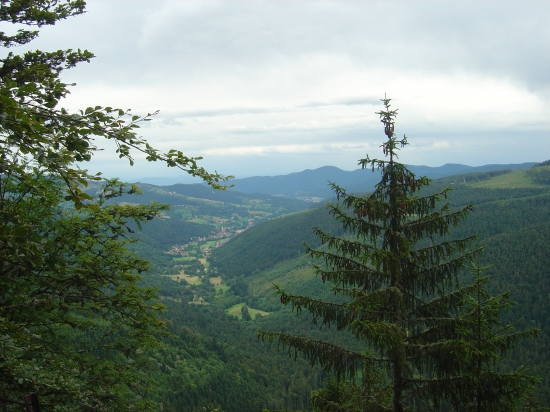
209, 244
192, 280
223, 288
183, 259
514, 180
235, 310
289, 275
258, 212
200, 221
216, 281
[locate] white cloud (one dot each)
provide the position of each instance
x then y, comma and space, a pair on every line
281, 79
296, 149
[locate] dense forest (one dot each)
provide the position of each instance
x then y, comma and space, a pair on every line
511, 224
209, 357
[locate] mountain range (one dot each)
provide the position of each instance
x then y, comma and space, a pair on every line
313, 184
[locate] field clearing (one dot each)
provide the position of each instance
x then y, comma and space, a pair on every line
235, 310
258, 212
289, 278
209, 244
514, 180
192, 280
207, 201
199, 221
224, 288
216, 281
198, 302
183, 259
204, 262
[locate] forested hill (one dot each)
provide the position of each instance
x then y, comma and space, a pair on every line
282, 239
511, 217
272, 242
204, 198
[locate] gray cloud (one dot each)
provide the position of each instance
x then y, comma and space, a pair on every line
498, 37
266, 73
171, 118
144, 40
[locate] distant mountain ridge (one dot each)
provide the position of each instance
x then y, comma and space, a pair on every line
314, 183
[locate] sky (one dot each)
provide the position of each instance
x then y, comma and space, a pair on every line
262, 88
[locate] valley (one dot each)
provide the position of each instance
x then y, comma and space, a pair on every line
215, 275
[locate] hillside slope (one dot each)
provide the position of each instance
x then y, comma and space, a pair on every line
214, 360
513, 224
271, 242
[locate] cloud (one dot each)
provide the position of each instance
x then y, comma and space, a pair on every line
191, 40
296, 149
282, 78
171, 117
496, 37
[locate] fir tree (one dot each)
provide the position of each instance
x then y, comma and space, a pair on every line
481, 340
245, 314
397, 270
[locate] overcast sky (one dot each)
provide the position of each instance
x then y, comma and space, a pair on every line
274, 87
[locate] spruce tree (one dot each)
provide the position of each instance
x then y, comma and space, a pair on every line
397, 271
481, 341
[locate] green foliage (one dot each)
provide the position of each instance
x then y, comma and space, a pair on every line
540, 174
398, 275
482, 340
33, 129
239, 288
352, 396
35, 13
75, 325
73, 318
244, 313
212, 360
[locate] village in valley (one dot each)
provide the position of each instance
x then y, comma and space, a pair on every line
191, 265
